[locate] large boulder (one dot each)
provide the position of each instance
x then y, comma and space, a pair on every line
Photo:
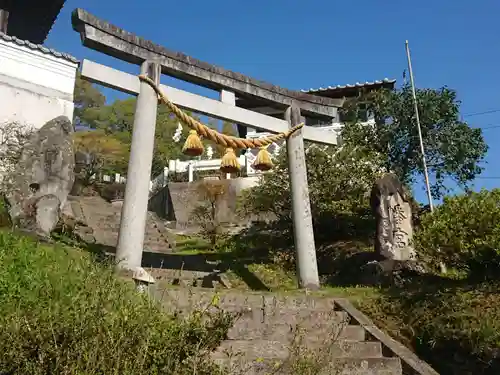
43, 178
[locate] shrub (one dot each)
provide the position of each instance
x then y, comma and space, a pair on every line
453, 325
206, 214
13, 138
62, 313
464, 233
4, 213
339, 181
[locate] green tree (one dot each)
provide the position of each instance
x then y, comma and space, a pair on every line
453, 149
105, 153
118, 119
464, 234
87, 99
165, 147
228, 129
339, 180
115, 117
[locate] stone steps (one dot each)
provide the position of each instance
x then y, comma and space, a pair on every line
285, 329
330, 366
267, 349
313, 326
104, 219
284, 332
304, 317
157, 245
271, 303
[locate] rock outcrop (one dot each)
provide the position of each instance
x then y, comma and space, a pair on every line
43, 178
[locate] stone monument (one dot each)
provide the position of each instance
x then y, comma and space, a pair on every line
391, 206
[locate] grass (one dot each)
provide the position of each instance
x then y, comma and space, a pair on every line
250, 272
190, 245
63, 313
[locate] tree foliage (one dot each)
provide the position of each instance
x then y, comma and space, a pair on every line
453, 149
87, 99
339, 184
104, 152
464, 233
206, 214
117, 118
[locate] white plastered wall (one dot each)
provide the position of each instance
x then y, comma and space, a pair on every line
35, 87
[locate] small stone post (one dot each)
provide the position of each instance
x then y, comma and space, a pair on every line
135, 205
142, 279
305, 247
165, 177
190, 172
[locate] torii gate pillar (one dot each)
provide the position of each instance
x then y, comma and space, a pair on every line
303, 232
135, 205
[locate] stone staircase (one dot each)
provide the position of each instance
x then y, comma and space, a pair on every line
104, 220
272, 330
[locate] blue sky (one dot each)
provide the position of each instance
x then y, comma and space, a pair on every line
298, 46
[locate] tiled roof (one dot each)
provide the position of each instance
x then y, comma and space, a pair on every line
357, 85
32, 19
38, 47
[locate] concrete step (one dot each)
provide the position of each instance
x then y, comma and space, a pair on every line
169, 273
288, 316
152, 232
156, 246
270, 303
267, 349
186, 279
246, 316
338, 366
285, 333
198, 283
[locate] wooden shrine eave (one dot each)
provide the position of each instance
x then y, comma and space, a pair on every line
114, 41
31, 20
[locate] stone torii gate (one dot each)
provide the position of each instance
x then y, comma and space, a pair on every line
155, 60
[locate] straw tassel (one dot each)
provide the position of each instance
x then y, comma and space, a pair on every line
193, 145
229, 162
263, 160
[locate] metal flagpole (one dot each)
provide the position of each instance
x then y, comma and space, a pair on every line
429, 196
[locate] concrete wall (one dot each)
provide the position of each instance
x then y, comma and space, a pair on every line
35, 86
177, 201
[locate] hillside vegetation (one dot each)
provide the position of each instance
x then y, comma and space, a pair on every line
63, 313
